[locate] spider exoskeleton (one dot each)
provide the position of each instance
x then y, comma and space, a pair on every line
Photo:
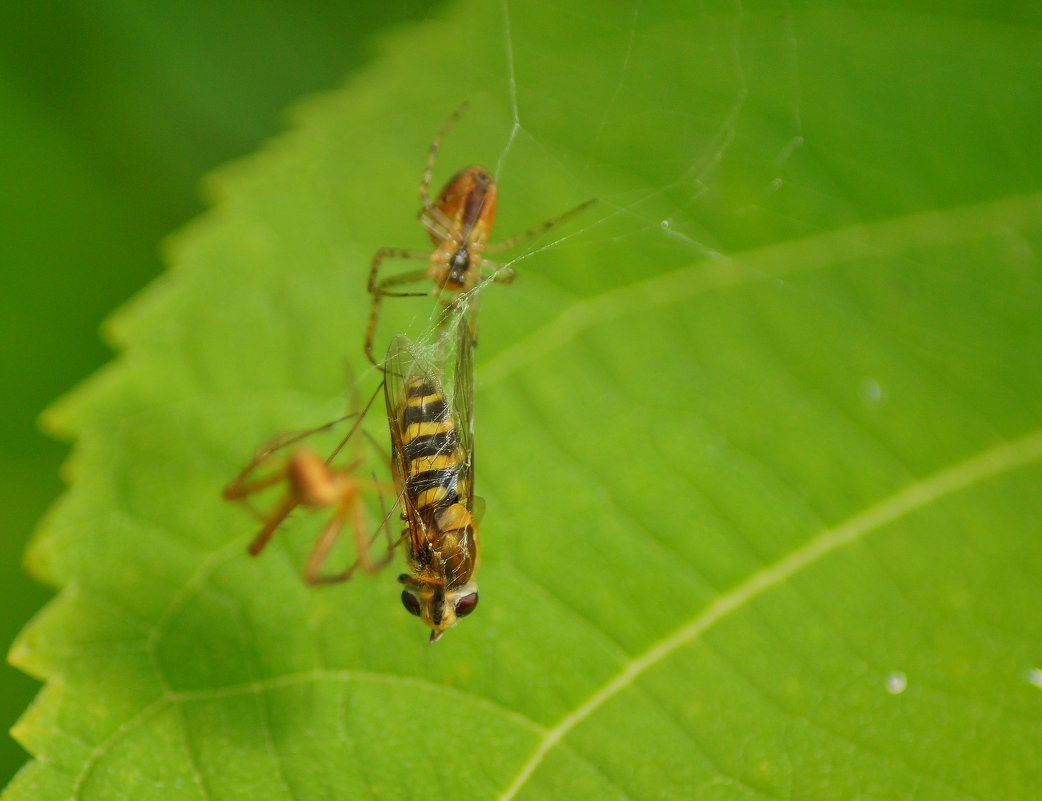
314, 483
458, 221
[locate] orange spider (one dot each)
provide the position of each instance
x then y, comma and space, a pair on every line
314, 483
458, 222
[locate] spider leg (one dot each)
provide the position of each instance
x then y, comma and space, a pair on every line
286, 505
350, 508
392, 253
239, 489
425, 184
436, 222
379, 290
364, 548
354, 428
500, 274
326, 540
542, 228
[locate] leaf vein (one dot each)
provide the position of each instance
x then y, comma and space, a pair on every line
922, 229
1002, 458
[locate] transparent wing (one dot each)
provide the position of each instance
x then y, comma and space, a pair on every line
478, 512
403, 361
463, 390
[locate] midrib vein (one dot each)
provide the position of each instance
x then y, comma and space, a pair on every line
1002, 458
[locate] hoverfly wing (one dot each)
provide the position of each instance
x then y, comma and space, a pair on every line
426, 456
399, 365
463, 391
478, 510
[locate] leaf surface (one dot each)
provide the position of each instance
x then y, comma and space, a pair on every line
759, 433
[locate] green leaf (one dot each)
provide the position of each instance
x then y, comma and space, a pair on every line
759, 433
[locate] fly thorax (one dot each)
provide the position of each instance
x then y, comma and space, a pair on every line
421, 558
456, 546
453, 517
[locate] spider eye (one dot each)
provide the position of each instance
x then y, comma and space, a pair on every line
411, 603
466, 604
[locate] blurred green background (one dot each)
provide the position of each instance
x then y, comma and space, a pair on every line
110, 113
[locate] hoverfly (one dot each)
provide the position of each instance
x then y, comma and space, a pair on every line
458, 222
432, 461
432, 464
315, 483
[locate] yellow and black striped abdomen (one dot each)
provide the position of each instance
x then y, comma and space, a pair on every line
429, 445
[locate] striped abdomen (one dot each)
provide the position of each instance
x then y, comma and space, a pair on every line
428, 442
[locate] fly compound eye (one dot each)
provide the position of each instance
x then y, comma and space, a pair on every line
411, 602
466, 604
